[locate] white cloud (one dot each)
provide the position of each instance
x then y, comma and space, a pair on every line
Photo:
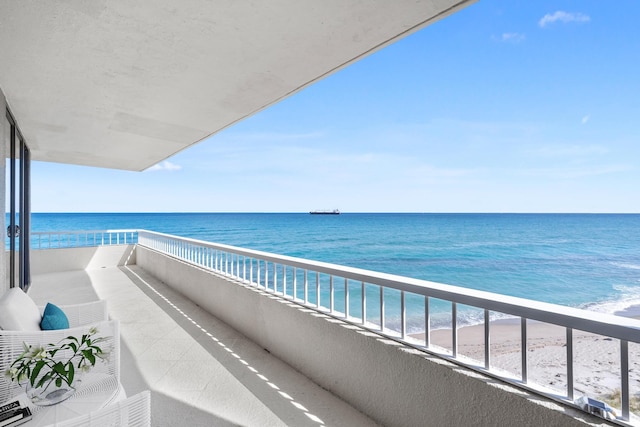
510, 37
585, 119
165, 166
562, 16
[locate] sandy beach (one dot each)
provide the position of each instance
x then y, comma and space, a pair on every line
596, 358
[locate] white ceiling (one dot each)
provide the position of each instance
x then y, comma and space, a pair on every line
125, 84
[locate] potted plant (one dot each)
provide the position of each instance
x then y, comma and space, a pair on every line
51, 372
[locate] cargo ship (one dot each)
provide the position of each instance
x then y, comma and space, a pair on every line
326, 212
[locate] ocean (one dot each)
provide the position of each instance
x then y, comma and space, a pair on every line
589, 261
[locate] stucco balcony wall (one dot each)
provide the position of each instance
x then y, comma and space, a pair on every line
392, 383
87, 258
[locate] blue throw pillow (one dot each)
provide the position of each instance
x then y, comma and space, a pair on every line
53, 318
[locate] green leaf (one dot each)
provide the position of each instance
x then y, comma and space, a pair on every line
96, 349
59, 369
90, 357
46, 377
70, 374
36, 371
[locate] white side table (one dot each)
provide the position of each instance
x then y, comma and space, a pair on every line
95, 392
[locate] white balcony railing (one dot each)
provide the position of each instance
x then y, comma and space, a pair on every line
379, 302
75, 239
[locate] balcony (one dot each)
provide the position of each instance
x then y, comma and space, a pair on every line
224, 335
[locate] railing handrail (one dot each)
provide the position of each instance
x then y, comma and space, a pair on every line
569, 317
116, 230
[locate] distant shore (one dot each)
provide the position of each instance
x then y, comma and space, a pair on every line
596, 358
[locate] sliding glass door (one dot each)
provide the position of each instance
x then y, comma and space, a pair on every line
18, 205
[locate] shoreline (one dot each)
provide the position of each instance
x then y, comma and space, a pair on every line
596, 359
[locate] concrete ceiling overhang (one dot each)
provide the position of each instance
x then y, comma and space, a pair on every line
125, 84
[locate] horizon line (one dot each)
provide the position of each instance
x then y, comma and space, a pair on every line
341, 212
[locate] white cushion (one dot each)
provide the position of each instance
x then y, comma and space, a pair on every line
18, 312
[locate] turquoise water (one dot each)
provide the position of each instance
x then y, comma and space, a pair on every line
589, 261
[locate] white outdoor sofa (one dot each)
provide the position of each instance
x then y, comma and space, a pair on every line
18, 310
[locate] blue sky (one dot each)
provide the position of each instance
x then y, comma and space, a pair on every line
506, 106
